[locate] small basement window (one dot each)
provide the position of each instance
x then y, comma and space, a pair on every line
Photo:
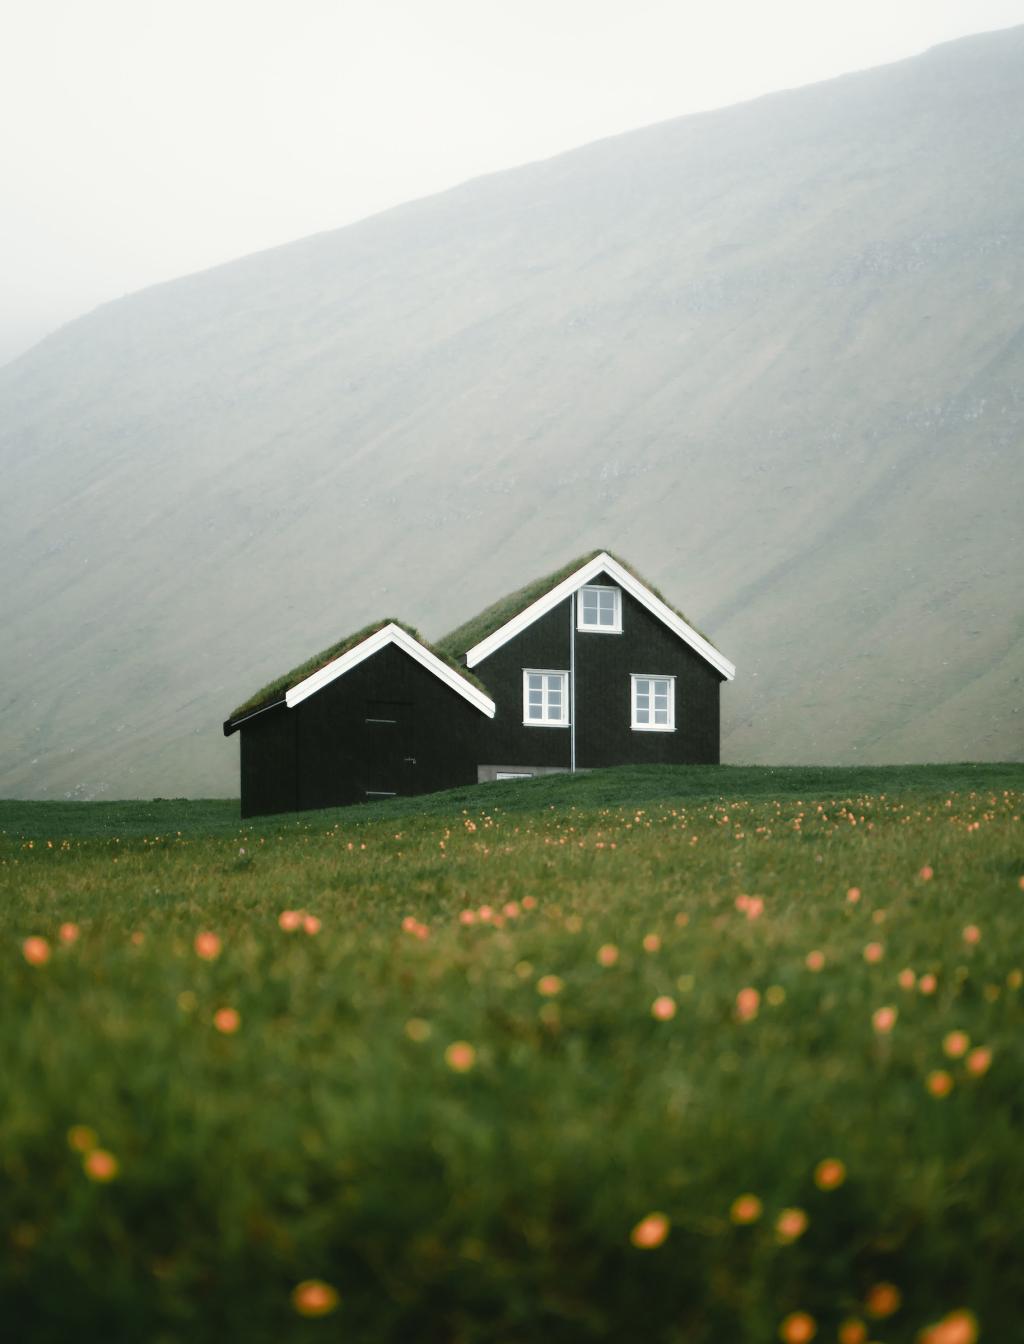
599, 610
654, 703
545, 698
512, 774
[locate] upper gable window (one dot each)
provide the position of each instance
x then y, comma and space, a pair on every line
600, 610
545, 698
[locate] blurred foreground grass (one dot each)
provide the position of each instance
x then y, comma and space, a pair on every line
513, 1074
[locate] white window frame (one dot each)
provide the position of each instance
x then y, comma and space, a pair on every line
529, 672
669, 727
616, 627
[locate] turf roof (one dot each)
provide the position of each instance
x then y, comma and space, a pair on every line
480, 627
275, 690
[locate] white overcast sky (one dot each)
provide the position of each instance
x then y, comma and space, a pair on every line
143, 139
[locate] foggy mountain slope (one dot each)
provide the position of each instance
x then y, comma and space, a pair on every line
773, 355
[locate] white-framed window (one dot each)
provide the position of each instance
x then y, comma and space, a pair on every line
654, 703
545, 698
599, 610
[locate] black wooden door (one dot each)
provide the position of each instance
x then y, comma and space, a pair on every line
390, 749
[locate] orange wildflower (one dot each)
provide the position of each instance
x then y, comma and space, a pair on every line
311, 924
852, 1331
979, 1061
955, 1044
36, 951
815, 961
650, 1232
313, 1297
882, 1300
417, 1029
798, 1328
550, 985
829, 1174
853, 895
607, 954
939, 1083
958, 1327
467, 917
207, 946
460, 1056
790, 1224
83, 1138
873, 953
529, 902
884, 1019
926, 873
227, 1020
745, 1209
927, 983
971, 934
100, 1166
663, 1009
652, 943
69, 933
748, 1001
290, 920
907, 979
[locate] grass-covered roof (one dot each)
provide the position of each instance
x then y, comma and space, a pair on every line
278, 688
480, 627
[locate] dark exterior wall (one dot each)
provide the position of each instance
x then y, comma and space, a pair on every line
267, 755
505, 738
325, 753
604, 664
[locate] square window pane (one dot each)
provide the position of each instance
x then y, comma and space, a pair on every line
535, 682
661, 716
642, 687
643, 715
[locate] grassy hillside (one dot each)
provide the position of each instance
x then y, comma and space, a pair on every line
625, 786
714, 1070
771, 355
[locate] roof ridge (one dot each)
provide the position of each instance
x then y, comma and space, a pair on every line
274, 691
485, 623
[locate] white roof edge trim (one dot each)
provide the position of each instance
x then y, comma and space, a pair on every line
380, 639
603, 562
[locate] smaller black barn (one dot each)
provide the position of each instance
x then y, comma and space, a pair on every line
379, 714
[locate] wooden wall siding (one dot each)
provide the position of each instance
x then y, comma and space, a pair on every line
268, 766
603, 711
325, 754
544, 644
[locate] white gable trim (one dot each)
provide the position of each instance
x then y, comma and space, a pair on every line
602, 563
389, 634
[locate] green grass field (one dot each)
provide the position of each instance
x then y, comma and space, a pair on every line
709, 1056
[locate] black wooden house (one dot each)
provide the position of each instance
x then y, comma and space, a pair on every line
589, 667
